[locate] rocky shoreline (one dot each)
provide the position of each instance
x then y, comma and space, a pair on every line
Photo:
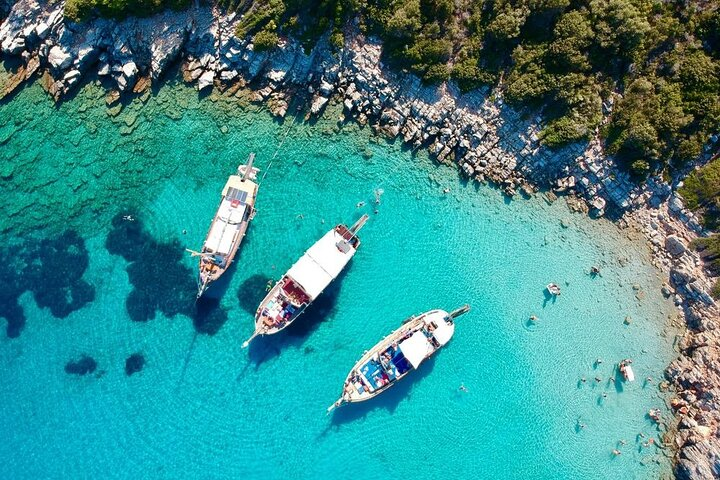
486, 139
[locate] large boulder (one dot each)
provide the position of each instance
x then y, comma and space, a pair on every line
58, 58
164, 50
129, 69
675, 246
206, 80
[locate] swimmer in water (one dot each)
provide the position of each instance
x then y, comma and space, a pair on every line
360, 204
463, 388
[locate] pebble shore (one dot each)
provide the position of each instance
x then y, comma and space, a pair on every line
489, 142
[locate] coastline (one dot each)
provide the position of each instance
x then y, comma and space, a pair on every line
488, 141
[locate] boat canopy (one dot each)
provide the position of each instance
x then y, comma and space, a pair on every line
629, 373
222, 233
310, 275
416, 348
321, 264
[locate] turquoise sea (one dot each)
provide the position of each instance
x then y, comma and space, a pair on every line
78, 280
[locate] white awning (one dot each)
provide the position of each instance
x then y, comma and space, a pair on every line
326, 253
320, 264
222, 233
415, 348
310, 276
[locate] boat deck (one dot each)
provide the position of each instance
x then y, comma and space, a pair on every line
388, 366
287, 300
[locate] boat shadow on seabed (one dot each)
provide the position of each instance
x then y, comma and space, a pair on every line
549, 297
388, 400
267, 347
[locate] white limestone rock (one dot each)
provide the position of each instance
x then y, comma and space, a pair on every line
317, 104
675, 246
41, 30
206, 80
129, 70
58, 58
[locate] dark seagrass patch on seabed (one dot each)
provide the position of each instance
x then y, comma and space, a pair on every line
160, 279
82, 366
134, 364
52, 270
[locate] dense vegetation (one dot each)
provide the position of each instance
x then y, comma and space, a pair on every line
79, 10
701, 192
656, 62
709, 249
564, 57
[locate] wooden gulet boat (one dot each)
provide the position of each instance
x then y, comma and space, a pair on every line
396, 355
306, 279
228, 228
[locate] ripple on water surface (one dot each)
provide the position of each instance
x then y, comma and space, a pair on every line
197, 405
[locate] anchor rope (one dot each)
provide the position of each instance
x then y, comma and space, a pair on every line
282, 142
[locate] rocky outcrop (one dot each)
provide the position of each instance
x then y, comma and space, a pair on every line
486, 139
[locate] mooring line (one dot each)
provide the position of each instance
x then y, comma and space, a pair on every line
282, 141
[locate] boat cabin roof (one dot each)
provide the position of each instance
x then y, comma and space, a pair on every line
321, 264
230, 214
443, 331
416, 348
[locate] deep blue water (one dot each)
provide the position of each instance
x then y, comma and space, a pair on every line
80, 283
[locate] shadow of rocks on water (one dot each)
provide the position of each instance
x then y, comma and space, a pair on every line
160, 279
52, 270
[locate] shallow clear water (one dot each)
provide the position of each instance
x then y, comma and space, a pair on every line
202, 407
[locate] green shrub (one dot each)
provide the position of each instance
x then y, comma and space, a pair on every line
701, 191
80, 10
562, 131
436, 74
640, 168
266, 39
77, 10
337, 40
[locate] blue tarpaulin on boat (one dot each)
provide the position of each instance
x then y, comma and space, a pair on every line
401, 363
